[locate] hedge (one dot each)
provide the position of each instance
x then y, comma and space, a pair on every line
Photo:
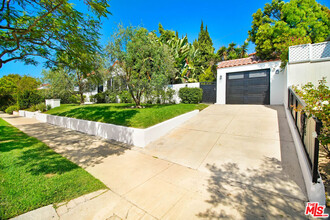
190, 95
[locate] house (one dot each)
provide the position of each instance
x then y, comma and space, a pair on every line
254, 81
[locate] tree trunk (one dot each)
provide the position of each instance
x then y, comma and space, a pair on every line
81, 95
136, 99
81, 98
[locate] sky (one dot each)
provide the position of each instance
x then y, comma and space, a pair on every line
227, 21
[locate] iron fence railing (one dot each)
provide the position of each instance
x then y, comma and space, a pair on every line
308, 128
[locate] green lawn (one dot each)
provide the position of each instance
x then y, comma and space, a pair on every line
32, 175
123, 114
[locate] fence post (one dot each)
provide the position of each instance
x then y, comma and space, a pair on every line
316, 150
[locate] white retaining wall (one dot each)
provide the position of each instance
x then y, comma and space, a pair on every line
134, 136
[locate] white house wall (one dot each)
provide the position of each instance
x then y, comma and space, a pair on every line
299, 74
276, 80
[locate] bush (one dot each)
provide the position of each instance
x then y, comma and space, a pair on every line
12, 108
190, 95
169, 94
125, 97
6, 101
317, 99
111, 97
29, 98
33, 108
41, 107
48, 107
72, 99
99, 97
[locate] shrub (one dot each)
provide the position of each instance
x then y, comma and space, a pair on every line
29, 98
111, 97
190, 95
33, 108
48, 107
72, 99
99, 97
12, 108
125, 97
6, 101
169, 94
317, 99
41, 107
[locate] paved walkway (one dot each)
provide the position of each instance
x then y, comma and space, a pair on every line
232, 162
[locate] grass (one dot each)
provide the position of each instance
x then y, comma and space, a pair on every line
32, 175
123, 114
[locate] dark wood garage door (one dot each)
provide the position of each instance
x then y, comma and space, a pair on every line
250, 87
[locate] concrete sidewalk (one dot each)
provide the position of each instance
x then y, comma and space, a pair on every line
148, 184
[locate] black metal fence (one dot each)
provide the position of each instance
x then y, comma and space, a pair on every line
308, 128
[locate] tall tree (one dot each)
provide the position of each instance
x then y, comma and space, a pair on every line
206, 57
232, 52
281, 25
144, 62
47, 29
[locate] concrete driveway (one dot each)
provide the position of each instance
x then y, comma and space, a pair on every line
230, 161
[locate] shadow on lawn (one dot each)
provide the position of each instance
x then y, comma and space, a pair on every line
84, 150
32, 154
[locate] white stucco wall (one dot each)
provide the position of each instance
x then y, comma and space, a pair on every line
133, 136
276, 80
299, 74
53, 102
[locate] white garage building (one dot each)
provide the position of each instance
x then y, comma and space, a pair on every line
250, 81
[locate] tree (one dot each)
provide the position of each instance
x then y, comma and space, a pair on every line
232, 52
47, 29
143, 61
61, 84
8, 89
13, 87
166, 35
206, 56
83, 69
281, 25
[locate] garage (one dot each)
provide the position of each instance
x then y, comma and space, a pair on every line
249, 87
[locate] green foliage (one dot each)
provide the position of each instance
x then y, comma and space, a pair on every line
282, 24
99, 97
111, 97
29, 98
142, 58
207, 76
125, 97
41, 107
5, 101
11, 108
124, 114
317, 99
205, 56
33, 108
14, 87
33, 175
232, 52
72, 99
48, 107
190, 95
169, 94
48, 29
